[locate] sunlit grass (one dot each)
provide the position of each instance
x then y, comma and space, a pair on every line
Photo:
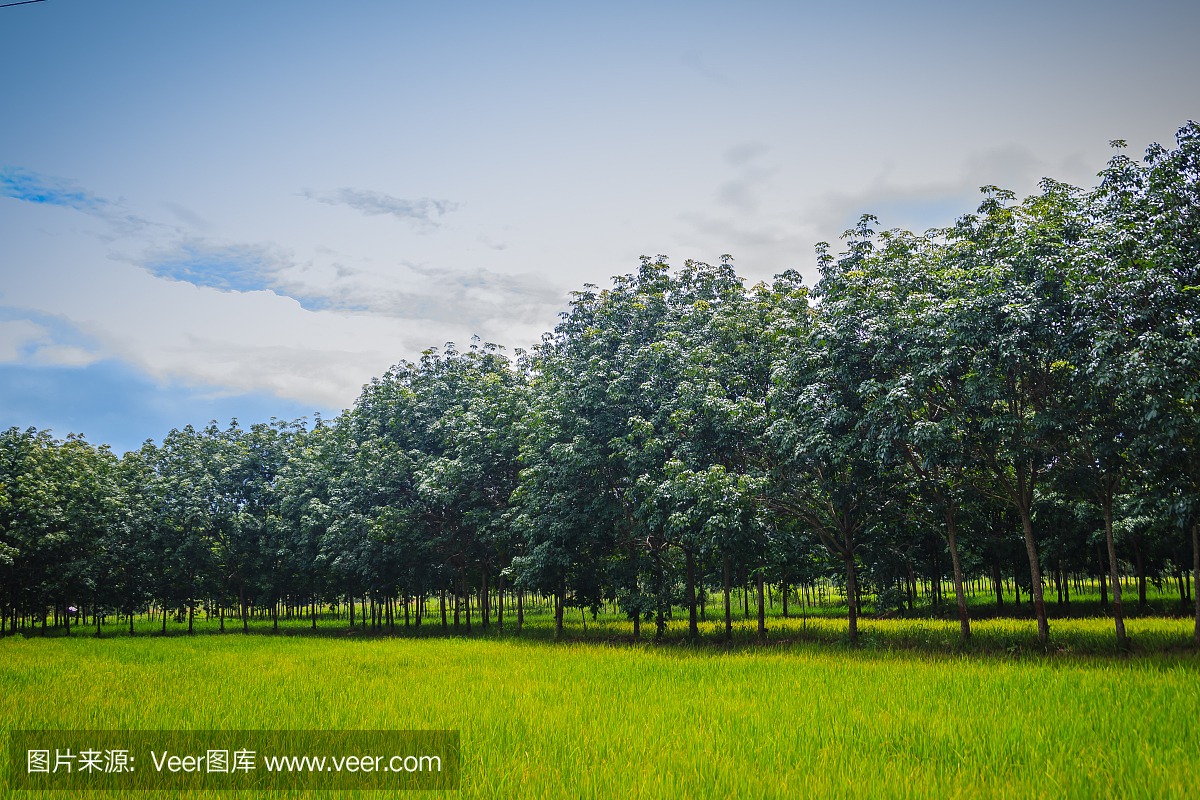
1013, 631
616, 720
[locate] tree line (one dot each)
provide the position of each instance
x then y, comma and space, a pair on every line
1015, 395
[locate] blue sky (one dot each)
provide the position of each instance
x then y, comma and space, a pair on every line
231, 209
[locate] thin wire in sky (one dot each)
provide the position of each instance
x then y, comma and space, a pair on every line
22, 3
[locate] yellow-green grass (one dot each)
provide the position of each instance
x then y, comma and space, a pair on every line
587, 719
1003, 635
997, 635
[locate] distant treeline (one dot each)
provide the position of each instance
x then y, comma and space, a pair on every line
1017, 394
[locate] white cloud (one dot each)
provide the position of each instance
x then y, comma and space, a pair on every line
60, 355
16, 335
25, 341
422, 292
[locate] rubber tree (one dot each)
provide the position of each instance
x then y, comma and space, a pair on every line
1012, 332
1149, 252
823, 469
905, 297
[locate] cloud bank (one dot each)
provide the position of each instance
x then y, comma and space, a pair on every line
233, 268
421, 212
40, 340
32, 187
23, 184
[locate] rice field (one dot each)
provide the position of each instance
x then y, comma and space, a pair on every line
908, 715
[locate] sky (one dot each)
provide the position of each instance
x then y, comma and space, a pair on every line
240, 210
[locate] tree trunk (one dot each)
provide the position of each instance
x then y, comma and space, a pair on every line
935, 581
1187, 583
460, 595
762, 606
500, 603
1196, 577
851, 587
1141, 570
466, 600
785, 599
660, 623
1118, 612
484, 601
559, 602
520, 609
635, 590
964, 622
728, 610
1103, 582
997, 581
693, 628
1035, 574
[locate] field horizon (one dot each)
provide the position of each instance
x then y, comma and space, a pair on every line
657, 721
1082, 626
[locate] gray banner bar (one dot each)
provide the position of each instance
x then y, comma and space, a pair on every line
214, 760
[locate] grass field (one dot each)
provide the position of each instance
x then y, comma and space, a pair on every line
904, 716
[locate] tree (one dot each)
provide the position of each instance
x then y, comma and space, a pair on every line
903, 298
1147, 287
824, 471
1012, 331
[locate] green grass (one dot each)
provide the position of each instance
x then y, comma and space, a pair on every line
896, 718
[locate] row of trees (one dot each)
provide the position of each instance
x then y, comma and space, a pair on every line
1020, 385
